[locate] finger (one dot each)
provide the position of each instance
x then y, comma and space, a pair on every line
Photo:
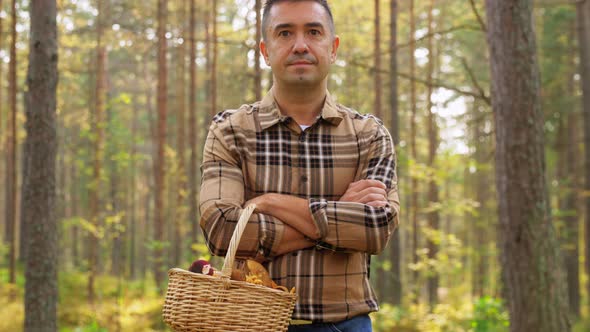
361, 184
354, 195
372, 190
375, 183
372, 198
377, 203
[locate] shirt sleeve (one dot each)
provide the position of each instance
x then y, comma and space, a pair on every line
221, 200
350, 226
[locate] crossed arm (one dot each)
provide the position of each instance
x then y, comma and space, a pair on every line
363, 219
300, 227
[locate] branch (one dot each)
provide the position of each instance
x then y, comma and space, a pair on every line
437, 84
434, 84
441, 32
479, 19
474, 81
434, 33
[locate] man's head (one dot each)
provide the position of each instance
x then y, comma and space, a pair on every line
299, 43
269, 3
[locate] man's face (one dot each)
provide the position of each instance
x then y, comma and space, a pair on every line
299, 46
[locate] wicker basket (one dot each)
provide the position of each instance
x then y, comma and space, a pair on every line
197, 302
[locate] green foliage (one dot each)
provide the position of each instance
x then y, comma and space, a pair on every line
11, 312
489, 315
582, 326
418, 318
485, 315
92, 327
121, 305
449, 258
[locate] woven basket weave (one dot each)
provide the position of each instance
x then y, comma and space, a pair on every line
201, 303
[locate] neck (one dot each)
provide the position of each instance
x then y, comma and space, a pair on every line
302, 103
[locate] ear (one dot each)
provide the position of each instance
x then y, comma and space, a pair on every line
264, 52
335, 45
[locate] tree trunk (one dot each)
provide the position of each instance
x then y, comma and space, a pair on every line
11, 143
395, 245
73, 193
3, 193
133, 192
213, 59
98, 147
257, 70
566, 171
39, 193
117, 252
529, 253
1, 75
479, 225
161, 142
433, 216
180, 216
207, 25
568, 178
145, 222
414, 156
583, 16
193, 129
377, 55
63, 210
381, 273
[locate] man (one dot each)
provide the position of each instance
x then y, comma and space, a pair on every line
321, 175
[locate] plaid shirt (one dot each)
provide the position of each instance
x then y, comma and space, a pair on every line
256, 150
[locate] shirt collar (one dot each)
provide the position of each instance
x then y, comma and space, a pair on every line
270, 114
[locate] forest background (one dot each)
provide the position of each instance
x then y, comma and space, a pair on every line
139, 82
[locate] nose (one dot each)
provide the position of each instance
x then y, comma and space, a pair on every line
300, 46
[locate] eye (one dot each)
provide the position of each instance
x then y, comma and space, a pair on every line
284, 33
315, 32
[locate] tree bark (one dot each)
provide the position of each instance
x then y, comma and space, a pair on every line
11, 143
395, 245
583, 17
529, 253
39, 192
161, 142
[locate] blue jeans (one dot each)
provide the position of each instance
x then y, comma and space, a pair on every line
356, 324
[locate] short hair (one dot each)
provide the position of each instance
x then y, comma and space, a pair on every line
269, 3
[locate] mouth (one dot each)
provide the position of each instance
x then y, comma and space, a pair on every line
300, 63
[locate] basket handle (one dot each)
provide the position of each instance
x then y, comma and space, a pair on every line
230, 256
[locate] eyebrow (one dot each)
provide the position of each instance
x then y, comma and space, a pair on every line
290, 25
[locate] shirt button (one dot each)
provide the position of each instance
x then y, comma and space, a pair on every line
302, 138
304, 178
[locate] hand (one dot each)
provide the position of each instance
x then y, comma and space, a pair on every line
259, 201
293, 241
370, 192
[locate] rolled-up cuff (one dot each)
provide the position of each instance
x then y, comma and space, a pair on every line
317, 207
270, 234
